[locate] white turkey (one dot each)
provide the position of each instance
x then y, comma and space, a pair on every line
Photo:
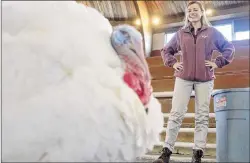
69, 92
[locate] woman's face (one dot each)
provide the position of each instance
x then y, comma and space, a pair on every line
194, 13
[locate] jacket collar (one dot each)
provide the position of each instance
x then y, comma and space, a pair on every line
188, 28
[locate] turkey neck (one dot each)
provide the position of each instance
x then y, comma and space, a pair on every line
130, 57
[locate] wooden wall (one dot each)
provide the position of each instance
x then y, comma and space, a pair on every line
234, 75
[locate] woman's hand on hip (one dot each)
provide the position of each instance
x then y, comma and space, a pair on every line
210, 64
178, 66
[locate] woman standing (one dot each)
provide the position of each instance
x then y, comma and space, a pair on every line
195, 41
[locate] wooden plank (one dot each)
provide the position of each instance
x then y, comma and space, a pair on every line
157, 60
192, 125
155, 53
163, 85
221, 82
154, 61
189, 137
240, 64
192, 120
160, 72
166, 104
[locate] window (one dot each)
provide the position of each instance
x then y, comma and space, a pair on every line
237, 29
168, 37
243, 35
241, 29
226, 30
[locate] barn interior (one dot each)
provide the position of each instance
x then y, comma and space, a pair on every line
158, 21
41, 61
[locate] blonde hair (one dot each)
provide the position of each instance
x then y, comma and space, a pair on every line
204, 20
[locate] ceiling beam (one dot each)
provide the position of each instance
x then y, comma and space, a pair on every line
121, 19
115, 23
146, 28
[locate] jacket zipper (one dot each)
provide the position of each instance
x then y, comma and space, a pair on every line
198, 32
194, 53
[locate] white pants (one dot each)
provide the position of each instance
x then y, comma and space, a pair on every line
181, 97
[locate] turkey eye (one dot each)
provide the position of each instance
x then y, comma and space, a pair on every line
125, 34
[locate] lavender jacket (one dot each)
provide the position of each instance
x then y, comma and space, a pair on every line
194, 52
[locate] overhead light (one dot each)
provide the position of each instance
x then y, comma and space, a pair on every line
156, 20
209, 12
138, 22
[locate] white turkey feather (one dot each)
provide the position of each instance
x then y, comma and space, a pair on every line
63, 94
